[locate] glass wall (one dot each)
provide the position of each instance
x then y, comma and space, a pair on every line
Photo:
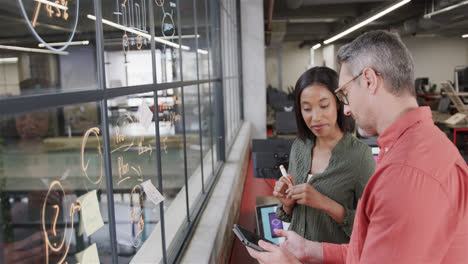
230, 63
114, 118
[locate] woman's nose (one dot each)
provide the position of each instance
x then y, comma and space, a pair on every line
316, 115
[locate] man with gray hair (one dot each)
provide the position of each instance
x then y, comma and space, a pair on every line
414, 208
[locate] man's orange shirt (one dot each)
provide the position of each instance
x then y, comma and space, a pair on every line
414, 208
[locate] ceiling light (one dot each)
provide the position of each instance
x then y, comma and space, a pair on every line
183, 36
202, 51
136, 32
72, 43
316, 46
367, 21
33, 50
52, 4
448, 8
465, 36
8, 60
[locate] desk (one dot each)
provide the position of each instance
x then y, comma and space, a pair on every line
439, 117
463, 127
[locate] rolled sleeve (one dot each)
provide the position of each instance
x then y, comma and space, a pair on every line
281, 214
348, 220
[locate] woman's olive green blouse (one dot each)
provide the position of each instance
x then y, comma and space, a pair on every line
350, 167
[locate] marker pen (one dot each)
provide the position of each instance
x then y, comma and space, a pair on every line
285, 174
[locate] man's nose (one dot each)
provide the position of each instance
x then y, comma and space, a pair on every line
347, 110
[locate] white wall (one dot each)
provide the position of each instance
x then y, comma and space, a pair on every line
253, 65
329, 56
271, 65
436, 58
295, 61
9, 79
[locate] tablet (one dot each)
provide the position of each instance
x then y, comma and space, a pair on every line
247, 238
267, 222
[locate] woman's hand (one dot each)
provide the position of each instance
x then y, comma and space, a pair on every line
307, 195
280, 192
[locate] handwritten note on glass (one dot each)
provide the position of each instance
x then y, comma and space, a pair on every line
145, 116
151, 192
91, 219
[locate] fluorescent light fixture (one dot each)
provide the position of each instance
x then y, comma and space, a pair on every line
136, 32
448, 8
73, 43
33, 50
183, 36
367, 21
8, 60
465, 36
316, 46
52, 4
202, 51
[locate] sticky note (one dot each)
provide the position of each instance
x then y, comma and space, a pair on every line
91, 219
145, 115
88, 256
151, 192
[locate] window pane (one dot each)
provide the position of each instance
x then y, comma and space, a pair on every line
172, 158
28, 67
203, 50
189, 56
194, 169
134, 166
167, 43
52, 181
207, 131
127, 49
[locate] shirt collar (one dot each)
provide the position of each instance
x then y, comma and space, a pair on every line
395, 130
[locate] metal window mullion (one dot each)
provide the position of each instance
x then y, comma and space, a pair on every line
226, 72
239, 61
198, 93
183, 111
231, 67
158, 138
105, 130
218, 88
208, 39
234, 69
29, 103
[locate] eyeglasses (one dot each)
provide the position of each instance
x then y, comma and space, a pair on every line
340, 91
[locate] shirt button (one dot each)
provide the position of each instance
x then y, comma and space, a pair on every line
386, 149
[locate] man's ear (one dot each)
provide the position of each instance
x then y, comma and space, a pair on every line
371, 79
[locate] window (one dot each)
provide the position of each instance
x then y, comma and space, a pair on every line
104, 111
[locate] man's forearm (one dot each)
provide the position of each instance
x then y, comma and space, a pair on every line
313, 253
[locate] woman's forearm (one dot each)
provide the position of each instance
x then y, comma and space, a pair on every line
288, 209
334, 210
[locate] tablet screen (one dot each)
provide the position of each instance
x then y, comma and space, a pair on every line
274, 224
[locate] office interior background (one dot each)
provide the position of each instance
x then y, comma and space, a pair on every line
128, 127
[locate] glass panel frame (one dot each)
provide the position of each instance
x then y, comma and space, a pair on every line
101, 89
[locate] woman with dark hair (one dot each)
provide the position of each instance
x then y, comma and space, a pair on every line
328, 166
